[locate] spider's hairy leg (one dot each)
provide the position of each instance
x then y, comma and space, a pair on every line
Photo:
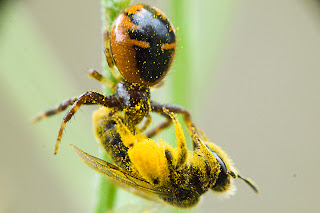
147, 123
108, 54
89, 97
155, 107
55, 110
103, 80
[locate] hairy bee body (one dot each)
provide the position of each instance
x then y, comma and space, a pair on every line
155, 170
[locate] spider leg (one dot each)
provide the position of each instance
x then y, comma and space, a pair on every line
55, 110
165, 124
109, 58
68, 102
155, 107
89, 97
147, 123
105, 81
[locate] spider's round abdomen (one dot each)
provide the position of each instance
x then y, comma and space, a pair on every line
143, 44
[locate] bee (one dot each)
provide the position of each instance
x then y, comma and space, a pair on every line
139, 50
141, 47
157, 171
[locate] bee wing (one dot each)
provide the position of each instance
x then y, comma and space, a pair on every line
120, 176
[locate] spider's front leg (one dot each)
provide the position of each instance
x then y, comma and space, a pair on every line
103, 80
68, 102
89, 97
155, 107
55, 110
107, 52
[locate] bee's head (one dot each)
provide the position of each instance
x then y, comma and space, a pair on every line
224, 183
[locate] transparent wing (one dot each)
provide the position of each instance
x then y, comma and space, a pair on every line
121, 177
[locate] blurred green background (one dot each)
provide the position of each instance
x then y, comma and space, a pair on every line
254, 91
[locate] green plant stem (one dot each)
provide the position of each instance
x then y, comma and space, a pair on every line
182, 76
184, 83
182, 71
106, 191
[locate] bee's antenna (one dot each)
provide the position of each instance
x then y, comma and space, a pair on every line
247, 180
250, 183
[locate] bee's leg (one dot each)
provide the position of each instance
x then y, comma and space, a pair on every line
107, 82
210, 158
55, 110
127, 137
182, 153
155, 107
89, 97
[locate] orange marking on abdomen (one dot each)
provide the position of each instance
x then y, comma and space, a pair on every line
169, 46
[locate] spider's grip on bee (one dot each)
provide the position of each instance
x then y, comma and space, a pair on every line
139, 50
176, 176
